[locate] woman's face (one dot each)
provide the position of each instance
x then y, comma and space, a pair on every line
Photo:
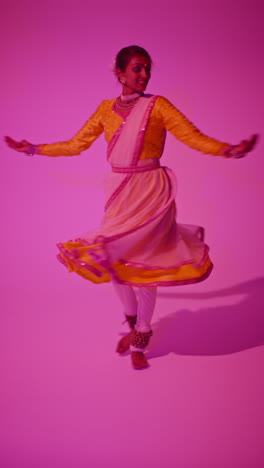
136, 75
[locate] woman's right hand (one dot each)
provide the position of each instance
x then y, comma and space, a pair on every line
22, 146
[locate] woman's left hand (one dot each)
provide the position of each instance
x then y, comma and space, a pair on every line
240, 150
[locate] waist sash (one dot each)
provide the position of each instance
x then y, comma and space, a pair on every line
134, 169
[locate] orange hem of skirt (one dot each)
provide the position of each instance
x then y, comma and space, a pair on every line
125, 274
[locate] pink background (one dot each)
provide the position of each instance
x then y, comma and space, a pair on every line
67, 399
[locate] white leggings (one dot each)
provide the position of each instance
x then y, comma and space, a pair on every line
142, 305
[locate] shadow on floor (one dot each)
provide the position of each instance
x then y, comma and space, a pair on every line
216, 330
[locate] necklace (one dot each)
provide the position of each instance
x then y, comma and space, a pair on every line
128, 102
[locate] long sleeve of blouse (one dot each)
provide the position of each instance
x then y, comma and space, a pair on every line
91, 130
177, 124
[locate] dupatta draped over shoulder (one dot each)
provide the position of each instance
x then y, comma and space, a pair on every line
139, 242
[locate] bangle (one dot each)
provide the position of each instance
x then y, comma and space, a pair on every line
32, 150
228, 152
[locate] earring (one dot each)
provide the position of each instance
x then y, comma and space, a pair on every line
123, 80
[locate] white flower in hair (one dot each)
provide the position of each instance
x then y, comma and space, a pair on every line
113, 64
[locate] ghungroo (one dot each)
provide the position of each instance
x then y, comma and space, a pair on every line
140, 340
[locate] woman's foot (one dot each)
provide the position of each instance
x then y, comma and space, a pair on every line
139, 360
123, 344
137, 339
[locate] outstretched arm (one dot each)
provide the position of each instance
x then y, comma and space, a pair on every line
177, 124
80, 142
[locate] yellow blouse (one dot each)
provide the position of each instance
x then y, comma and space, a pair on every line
164, 116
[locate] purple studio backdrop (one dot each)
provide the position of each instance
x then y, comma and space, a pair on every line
67, 399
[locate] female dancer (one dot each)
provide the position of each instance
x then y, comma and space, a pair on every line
139, 244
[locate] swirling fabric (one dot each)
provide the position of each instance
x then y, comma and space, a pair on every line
139, 241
